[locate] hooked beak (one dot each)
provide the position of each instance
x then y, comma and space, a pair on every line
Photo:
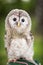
18, 24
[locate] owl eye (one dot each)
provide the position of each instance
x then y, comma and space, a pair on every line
14, 19
23, 20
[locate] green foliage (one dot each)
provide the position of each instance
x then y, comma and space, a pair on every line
5, 7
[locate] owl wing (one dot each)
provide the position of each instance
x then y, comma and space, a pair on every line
29, 38
32, 37
7, 36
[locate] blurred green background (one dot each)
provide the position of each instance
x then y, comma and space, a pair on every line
35, 9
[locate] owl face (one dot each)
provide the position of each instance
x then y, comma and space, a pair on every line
19, 20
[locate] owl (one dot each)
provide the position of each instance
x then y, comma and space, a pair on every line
18, 38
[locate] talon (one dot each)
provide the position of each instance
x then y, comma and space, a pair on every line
10, 61
15, 60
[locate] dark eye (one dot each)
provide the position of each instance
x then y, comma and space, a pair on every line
14, 19
23, 20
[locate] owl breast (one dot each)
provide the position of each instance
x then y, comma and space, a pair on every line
19, 46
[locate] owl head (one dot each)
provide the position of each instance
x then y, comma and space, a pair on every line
18, 20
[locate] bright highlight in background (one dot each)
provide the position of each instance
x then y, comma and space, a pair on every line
11, 1
26, 0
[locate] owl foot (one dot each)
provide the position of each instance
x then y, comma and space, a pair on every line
14, 60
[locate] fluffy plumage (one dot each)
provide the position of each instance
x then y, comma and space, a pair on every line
18, 38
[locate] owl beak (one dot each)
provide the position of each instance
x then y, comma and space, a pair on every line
18, 24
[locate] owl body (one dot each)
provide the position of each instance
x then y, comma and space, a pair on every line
18, 38
18, 48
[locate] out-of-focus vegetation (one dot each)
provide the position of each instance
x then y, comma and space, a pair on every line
7, 5
30, 6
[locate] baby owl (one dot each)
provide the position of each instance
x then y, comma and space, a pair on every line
18, 38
